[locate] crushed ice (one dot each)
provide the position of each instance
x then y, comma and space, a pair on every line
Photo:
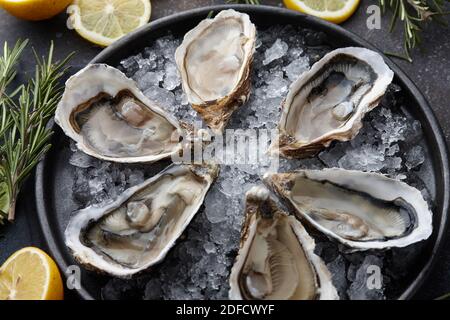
198, 266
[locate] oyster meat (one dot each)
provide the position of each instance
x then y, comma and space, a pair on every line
362, 210
137, 230
330, 100
109, 118
214, 62
276, 259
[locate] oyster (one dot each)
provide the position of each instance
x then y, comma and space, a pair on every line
109, 118
330, 100
359, 209
214, 62
137, 230
276, 258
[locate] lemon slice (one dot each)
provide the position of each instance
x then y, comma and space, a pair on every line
104, 21
34, 9
30, 274
336, 11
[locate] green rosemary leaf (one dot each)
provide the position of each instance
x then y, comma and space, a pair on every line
8, 63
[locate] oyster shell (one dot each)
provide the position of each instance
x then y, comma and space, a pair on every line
276, 258
359, 209
330, 100
109, 118
138, 229
214, 62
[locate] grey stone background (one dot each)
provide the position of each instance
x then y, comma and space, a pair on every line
430, 71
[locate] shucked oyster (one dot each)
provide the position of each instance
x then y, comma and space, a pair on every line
359, 209
276, 258
137, 230
214, 61
110, 119
330, 100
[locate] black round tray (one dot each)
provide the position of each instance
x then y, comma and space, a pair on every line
54, 178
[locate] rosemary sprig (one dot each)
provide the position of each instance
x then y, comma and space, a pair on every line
244, 1
27, 138
414, 14
7, 73
8, 62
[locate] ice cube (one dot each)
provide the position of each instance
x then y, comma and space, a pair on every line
296, 68
171, 78
276, 51
415, 157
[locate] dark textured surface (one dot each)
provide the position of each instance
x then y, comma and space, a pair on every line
430, 71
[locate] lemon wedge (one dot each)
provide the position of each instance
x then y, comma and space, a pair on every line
336, 11
104, 21
30, 274
34, 9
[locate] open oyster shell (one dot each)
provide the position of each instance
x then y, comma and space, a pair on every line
137, 230
109, 118
330, 100
362, 210
276, 258
214, 62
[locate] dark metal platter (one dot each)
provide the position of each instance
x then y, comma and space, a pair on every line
54, 175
